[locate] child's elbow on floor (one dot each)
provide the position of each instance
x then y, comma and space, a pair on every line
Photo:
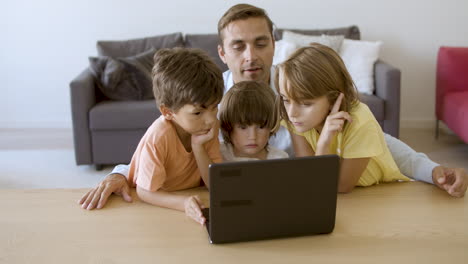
141, 193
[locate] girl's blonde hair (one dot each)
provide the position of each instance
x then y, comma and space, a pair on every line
247, 103
312, 72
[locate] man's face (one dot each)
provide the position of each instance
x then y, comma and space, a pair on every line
248, 49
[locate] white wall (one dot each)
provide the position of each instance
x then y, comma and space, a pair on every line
45, 44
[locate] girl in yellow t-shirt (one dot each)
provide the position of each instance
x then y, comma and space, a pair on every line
320, 107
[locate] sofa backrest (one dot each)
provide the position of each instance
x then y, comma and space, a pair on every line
132, 47
206, 42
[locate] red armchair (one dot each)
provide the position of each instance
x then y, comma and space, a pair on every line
452, 90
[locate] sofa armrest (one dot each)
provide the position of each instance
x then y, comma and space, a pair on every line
83, 98
387, 87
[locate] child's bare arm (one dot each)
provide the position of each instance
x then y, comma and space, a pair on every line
200, 153
301, 147
203, 162
191, 205
333, 124
350, 172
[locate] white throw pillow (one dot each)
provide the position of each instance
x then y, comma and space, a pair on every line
302, 40
359, 58
283, 49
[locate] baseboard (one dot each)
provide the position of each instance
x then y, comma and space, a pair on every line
35, 125
424, 124
417, 123
39, 131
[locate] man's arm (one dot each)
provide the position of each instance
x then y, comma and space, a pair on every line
115, 182
415, 165
418, 166
122, 169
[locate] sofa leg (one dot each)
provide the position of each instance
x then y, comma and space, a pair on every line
98, 167
437, 129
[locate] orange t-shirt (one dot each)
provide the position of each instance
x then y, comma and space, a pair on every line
162, 162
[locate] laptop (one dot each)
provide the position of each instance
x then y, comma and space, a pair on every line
264, 199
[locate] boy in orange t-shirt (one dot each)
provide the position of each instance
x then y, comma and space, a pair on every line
176, 150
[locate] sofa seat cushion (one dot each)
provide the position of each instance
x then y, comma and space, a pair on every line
455, 113
376, 105
123, 115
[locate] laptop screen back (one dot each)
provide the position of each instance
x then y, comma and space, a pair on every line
272, 198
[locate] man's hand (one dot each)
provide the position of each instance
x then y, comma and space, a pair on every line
453, 180
97, 197
193, 206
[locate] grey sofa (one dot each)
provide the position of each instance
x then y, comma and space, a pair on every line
107, 131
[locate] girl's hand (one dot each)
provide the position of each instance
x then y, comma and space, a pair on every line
199, 140
193, 206
333, 124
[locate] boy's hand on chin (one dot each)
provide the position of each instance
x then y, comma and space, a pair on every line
200, 139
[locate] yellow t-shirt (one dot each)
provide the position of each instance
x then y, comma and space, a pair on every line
362, 138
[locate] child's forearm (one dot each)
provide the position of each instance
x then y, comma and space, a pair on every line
301, 147
203, 162
323, 146
350, 172
162, 199
323, 149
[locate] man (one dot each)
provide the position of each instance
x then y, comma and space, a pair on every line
247, 47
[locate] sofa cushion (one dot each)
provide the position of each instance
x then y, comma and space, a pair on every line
301, 40
127, 78
351, 32
208, 43
359, 57
125, 48
283, 49
376, 105
122, 115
